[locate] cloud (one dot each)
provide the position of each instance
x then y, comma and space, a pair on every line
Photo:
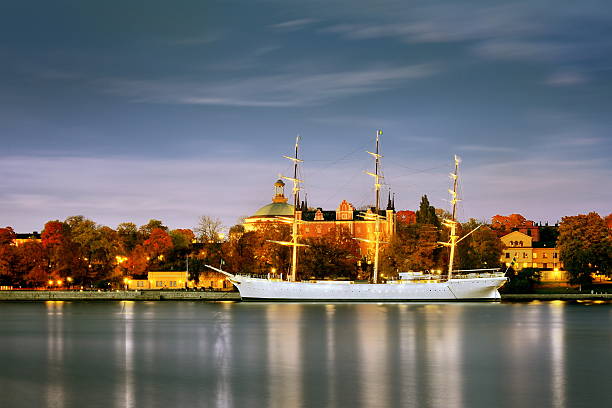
566, 79
294, 24
518, 31
522, 50
548, 188
281, 90
114, 190
444, 23
582, 141
208, 38
487, 148
354, 120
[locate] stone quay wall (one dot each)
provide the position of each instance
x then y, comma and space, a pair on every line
44, 295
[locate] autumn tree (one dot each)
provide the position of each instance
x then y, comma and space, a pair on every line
507, 222
413, 247
96, 248
270, 255
236, 230
239, 252
332, 255
426, 214
158, 245
481, 249
585, 247
136, 263
7, 236
182, 239
208, 229
7, 254
31, 264
128, 235
252, 252
145, 230
59, 249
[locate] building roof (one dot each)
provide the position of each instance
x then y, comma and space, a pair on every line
29, 235
274, 209
327, 215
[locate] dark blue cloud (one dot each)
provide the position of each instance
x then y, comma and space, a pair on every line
518, 88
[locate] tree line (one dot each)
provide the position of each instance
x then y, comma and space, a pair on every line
79, 252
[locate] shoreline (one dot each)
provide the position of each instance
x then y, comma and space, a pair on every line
151, 295
136, 295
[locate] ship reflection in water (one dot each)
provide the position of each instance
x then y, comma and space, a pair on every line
191, 354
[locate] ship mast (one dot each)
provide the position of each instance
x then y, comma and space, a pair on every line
377, 184
294, 224
452, 222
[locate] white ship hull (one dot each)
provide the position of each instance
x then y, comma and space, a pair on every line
258, 289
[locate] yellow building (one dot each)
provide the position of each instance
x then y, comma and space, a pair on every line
526, 253
21, 239
160, 280
169, 280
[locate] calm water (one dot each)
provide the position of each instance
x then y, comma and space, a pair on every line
195, 354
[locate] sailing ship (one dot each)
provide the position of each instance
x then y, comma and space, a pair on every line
461, 285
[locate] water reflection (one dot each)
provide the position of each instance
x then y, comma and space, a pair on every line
557, 353
373, 326
443, 351
125, 349
284, 352
222, 351
408, 353
55, 354
162, 354
330, 351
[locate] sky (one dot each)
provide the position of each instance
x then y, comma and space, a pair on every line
132, 110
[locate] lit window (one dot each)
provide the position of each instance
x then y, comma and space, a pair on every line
535, 255
159, 284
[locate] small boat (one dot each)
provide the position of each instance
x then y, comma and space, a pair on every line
461, 285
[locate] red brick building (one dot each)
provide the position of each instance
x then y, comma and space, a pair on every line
318, 222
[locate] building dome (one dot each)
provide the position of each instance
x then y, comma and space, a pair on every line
269, 212
274, 209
